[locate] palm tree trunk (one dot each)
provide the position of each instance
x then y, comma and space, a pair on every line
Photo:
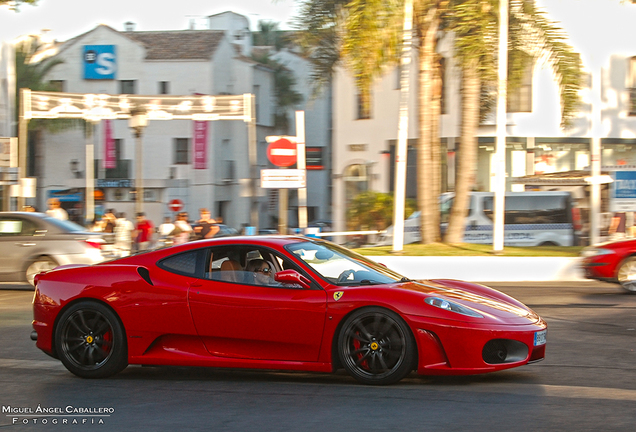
426, 194
436, 151
467, 157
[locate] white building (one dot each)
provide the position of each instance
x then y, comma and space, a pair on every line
364, 147
208, 62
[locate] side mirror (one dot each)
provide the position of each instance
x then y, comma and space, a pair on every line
292, 277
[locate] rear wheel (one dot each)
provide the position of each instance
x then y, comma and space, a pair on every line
90, 341
38, 265
626, 274
376, 346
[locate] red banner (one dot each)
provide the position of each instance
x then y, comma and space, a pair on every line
110, 154
200, 144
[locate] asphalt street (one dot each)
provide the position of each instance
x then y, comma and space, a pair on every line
586, 383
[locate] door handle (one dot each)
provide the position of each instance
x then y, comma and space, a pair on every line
195, 284
26, 244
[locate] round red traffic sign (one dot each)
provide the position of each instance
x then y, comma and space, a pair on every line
175, 205
282, 152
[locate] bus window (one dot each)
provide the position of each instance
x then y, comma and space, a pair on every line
532, 209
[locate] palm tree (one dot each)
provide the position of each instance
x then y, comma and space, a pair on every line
31, 73
15, 4
365, 35
531, 36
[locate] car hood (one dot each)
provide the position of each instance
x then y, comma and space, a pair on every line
489, 302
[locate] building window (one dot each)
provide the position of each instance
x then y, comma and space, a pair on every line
314, 158
363, 101
181, 146
164, 87
57, 85
128, 87
631, 84
520, 98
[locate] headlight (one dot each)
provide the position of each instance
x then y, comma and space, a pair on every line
450, 306
595, 251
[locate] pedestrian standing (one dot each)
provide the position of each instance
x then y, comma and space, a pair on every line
165, 231
123, 235
618, 226
55, 210
182, 229
206, 226
143, 232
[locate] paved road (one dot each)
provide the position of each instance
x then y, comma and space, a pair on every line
586, 383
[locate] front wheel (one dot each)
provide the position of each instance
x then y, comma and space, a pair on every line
376, 347
626, 274
90, 341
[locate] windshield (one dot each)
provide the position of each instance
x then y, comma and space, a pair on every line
341, 266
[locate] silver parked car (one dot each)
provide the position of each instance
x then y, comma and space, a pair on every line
34, 242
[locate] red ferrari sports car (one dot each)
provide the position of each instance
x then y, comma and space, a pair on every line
276, 302
612, 262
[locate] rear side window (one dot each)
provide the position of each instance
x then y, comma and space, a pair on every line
15, 227
183, 263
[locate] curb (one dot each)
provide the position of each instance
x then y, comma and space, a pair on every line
482, 268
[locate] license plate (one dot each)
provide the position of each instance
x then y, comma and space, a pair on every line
540, 337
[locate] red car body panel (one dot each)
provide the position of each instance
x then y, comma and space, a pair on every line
171, 319
605, 267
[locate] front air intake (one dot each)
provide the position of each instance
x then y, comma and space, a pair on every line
498, 351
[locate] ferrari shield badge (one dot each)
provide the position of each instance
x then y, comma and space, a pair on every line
337, 295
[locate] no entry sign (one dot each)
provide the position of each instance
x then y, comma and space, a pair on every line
175, 205
282, 152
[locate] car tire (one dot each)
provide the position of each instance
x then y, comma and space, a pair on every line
39, 264
90, 340
626, 274
376, 346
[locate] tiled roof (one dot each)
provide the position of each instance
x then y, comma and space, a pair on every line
178, 45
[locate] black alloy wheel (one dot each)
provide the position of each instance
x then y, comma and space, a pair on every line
376, 347
90, 341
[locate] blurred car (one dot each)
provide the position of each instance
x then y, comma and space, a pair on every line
612, 262
277, 302
226, 231
34, 242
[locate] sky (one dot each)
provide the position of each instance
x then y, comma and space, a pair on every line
69, 18
583, 20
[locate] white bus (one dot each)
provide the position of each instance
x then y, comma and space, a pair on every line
531, 219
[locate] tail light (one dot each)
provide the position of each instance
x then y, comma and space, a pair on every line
93, 243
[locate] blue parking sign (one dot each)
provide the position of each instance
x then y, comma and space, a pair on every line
100, 62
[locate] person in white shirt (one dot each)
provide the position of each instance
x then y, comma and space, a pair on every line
55, 210
165, 231
182, 230
123, 235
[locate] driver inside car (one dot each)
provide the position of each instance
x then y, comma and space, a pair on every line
260, 272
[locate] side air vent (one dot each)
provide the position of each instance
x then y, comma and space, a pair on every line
145, 274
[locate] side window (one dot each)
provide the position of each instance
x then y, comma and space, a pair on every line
246, 265
224, 264
10, 227
15, 227
183, 263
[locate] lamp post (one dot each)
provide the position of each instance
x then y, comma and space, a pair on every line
137, 122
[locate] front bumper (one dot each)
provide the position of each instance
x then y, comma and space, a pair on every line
460, 349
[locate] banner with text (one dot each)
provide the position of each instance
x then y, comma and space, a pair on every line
200, 144
110, 154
